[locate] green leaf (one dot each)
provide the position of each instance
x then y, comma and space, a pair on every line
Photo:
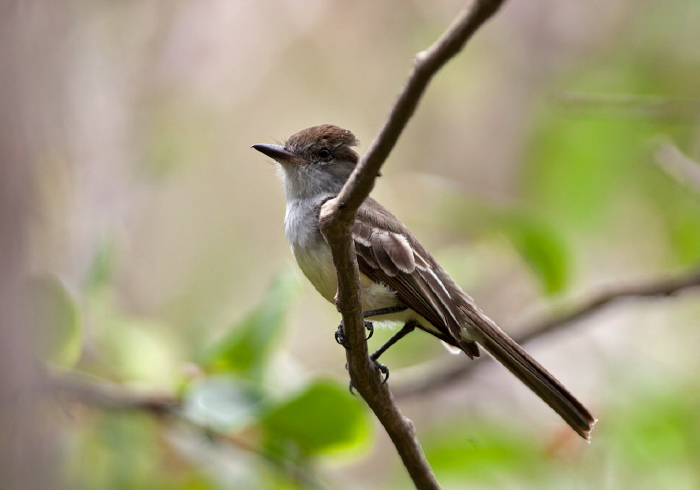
141, 349
663, 430
538, 241
541, 246
654, 436
684, 231
322, 418
577, 165
680, 209
102, 267
481, 451
245, 349
222, 402
116, 451
56, 320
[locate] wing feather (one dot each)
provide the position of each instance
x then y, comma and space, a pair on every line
388, 253
380, 252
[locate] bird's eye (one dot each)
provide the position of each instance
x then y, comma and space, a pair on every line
324, 153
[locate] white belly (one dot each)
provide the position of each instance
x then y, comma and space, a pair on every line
317, 266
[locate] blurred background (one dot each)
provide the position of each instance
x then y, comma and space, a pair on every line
170, 341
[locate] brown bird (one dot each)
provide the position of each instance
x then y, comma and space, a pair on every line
400, 280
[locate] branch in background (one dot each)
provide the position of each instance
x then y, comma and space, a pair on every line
652, 289
680, 167
635, 107
338, 215
92, 391
102, 394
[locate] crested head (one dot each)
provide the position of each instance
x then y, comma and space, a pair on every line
315, 162
324, 143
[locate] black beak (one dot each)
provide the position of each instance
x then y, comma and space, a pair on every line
276, 152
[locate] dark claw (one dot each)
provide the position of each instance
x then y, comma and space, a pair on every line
383, 369
340, 336
370, 328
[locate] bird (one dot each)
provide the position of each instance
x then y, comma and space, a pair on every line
400, 280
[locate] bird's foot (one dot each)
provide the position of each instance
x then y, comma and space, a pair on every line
382, 369
340, 334
370, 328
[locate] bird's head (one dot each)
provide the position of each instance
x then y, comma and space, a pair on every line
314, 162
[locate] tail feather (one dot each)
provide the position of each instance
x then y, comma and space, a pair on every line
506, 351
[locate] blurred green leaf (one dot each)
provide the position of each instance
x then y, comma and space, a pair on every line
655, 438
660, 430
323, 418
57, 320
102, 267
118, 451
577, 164
246, 348
684, 230
221, 402
680, 209
141, 349
484, 452
541, 246
539, 242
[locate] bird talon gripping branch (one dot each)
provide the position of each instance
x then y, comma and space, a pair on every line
340, 335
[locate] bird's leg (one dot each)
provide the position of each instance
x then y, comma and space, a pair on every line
380, 311
385, 311
340, 335
405, 330
408, 327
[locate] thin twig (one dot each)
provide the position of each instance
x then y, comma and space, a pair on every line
94, 391
336, 219
632, 107
426, 64
677, 165
653, 289
102, 394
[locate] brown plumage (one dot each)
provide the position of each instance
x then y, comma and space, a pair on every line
414, 280
315, 163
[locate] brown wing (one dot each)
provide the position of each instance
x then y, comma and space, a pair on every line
388, 253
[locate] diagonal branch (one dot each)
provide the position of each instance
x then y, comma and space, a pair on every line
338, 215
658, 288
426, 64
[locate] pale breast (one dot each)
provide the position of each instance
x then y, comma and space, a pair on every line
313, 255
316, 262
317, 265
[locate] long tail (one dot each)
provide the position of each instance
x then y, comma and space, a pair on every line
538, 379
